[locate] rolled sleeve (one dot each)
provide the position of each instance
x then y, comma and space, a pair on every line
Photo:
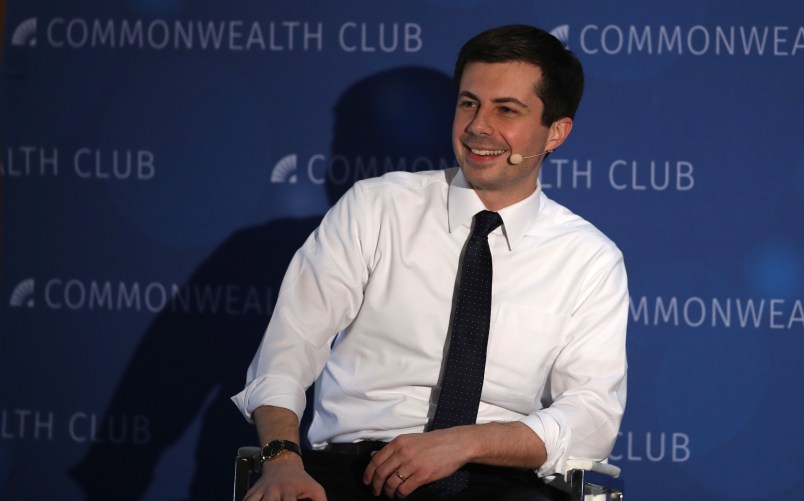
267, 390
556, 438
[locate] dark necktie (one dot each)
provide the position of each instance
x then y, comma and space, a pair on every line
462, 381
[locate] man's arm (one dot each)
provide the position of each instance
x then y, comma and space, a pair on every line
284, 477
276, 423
422, 458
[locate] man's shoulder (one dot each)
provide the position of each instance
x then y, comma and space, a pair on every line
561, 221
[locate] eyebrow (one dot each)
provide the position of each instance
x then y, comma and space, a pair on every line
496, 100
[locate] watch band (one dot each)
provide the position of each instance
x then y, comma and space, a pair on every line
275, 448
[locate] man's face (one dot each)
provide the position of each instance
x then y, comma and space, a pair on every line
498, 113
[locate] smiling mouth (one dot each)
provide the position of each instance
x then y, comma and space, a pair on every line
486, 153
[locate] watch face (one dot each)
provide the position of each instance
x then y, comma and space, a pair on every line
273, 449
276, 447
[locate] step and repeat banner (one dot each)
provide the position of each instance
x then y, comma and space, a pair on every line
163, 159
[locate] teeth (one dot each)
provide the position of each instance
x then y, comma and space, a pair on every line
487, 152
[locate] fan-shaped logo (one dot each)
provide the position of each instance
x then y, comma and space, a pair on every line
562, 33
285, 170
23, 294
25, 34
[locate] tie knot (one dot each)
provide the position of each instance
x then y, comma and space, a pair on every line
485, 222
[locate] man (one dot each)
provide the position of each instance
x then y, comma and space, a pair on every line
382, 271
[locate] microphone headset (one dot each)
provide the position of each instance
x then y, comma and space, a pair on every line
516, 158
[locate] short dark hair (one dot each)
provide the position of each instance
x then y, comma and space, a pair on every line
561, 85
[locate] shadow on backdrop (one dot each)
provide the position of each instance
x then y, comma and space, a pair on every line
189, 364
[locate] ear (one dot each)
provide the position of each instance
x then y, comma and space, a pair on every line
559, 130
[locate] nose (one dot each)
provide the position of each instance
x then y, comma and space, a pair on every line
480, 124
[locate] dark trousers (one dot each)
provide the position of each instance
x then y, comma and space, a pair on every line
342, 477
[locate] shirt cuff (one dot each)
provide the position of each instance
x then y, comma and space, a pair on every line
270, 390
556, 439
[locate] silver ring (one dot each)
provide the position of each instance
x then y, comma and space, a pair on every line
399, 475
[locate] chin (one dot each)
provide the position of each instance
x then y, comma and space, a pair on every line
480, 176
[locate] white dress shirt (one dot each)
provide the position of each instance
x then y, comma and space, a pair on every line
381, 271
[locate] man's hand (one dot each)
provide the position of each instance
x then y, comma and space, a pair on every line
284, 479
410, 461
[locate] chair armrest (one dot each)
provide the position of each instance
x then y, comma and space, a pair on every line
580, 482
246, 463
596, 466
250, 456
248, 452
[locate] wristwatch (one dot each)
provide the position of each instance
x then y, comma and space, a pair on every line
275, 448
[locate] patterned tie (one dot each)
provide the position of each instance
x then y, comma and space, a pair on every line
462, 381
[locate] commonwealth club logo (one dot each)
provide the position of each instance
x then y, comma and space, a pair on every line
562, 33
25, 34
285, 170
23, 294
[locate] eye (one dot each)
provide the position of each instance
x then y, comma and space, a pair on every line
505, 110
467, 105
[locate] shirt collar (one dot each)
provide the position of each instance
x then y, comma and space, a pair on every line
463, 203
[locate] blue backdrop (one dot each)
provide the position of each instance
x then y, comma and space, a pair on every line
162, 160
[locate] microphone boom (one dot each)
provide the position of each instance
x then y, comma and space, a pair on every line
516, 158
